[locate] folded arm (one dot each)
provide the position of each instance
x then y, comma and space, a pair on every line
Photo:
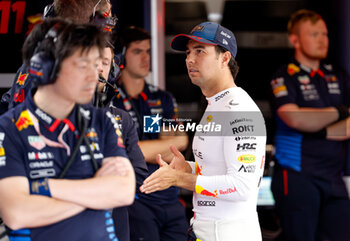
112, 186
19, 209
307, 119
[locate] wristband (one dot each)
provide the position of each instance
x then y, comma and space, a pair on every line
343, 112
40, 187
321, 134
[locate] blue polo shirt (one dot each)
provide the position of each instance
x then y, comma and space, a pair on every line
298, 84
35, 145
151, 101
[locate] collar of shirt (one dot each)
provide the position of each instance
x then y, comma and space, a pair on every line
50, 122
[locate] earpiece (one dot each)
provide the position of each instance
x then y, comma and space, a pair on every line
114, 72
120, 58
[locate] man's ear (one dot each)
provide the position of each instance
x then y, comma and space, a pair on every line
226, 56
294, 40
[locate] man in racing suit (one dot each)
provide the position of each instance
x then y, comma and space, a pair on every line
229, 145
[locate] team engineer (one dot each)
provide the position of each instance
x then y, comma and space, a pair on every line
45, 193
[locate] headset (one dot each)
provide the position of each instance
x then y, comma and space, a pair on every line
49, 11
43, 64
115, 71
120, 59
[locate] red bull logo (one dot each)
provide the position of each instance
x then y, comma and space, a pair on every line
91, 134
24, 121
293, 69
198, 169
21, 79
202, 191
154, 103
227, 191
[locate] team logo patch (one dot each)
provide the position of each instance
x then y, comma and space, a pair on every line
127, 104
278, 87
248, 158
21, 79
202, 191
227, 191
331, 78
23, 121
304, 79
19, 97
197, 28
91, 134
151, 123
154, 102
37, 142
292, 69
2, 151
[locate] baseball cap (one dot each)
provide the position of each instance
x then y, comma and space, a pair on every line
207, 33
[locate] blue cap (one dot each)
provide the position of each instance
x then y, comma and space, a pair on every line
207, 33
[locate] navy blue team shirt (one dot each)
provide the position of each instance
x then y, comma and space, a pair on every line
151, 101
298, 84
29, 147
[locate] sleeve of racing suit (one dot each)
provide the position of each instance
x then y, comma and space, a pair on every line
192, 165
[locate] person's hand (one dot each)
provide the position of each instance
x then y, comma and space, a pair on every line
114, 166
161, 179
178, 162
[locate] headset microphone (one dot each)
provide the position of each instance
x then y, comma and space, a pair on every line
101, 79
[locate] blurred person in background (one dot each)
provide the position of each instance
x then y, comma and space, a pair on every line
159, 216
78, 11
311, 104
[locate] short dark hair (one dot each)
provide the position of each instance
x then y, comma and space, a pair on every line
71, 36
78, 11
299, 16
128, 35
232, 64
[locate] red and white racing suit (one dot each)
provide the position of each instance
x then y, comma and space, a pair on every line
229, 150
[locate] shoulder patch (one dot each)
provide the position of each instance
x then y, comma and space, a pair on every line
21, 79
278, 87
304, 79
24, 121
328, 67
292, 69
